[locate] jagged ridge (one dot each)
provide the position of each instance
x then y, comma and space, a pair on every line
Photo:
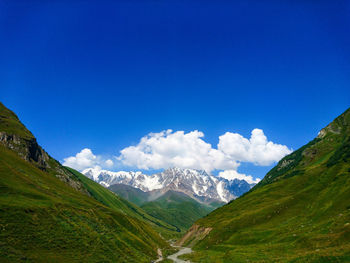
197, 184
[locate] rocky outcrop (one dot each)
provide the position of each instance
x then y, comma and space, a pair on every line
28, 149
64, 175
339, 125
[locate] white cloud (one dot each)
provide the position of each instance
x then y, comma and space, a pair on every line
109, 163
233, 174
189, 150
175, 149
257, 149
86, 159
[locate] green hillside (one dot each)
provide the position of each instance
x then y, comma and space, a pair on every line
300, 212
130, 193
177, 209
112, 200
51, 214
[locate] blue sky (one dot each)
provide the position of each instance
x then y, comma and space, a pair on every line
103, 75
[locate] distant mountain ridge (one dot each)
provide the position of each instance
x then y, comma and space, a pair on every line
197, 184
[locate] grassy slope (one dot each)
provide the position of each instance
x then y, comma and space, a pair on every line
130, 193
43, 219
177, 209
300, 212
113, 201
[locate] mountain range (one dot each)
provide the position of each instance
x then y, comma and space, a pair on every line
176, 196
197, 184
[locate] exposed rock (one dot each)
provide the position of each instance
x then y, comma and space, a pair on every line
284, 164
193, 235
333, 127
322, 133
28, 149
64, 175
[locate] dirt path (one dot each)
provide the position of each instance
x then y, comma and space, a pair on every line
182, 251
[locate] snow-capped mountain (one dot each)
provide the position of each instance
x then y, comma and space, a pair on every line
195, 183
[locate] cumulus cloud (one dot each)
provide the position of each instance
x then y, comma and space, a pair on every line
189, 150
175, 149
86, 159
257, 149
233, 174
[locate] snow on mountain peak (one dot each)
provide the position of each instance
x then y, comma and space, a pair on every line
195, 183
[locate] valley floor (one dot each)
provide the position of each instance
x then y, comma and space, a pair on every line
174, 257
182, 251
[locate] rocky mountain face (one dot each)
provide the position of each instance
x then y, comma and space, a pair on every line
28, 149
197, 184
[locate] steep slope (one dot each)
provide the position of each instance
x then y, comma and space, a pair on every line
48, 214
300, 212
177, 209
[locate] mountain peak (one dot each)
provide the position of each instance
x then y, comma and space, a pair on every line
197, 184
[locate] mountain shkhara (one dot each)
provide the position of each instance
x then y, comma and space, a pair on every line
197, 184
